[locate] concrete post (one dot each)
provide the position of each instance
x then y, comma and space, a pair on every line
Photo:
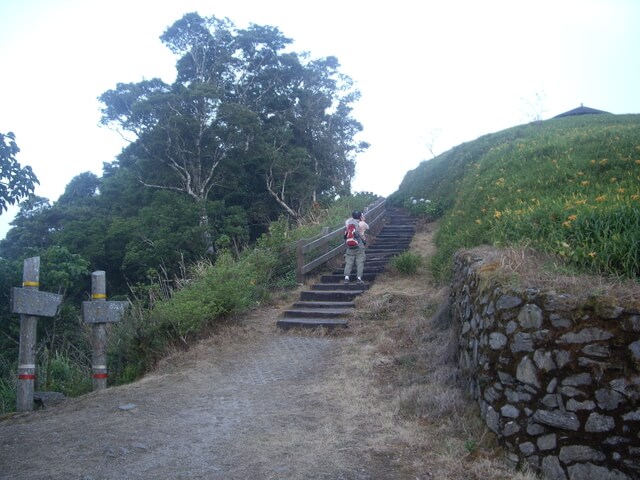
99, 359
99, 312
30, 304
27, 348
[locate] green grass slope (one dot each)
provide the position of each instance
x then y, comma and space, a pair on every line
567, 186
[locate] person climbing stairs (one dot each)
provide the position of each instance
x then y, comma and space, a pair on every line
330, 302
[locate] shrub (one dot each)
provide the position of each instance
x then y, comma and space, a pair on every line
225, 287
425, 208
62, 373
407, 263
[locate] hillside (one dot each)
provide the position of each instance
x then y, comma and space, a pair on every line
569, 187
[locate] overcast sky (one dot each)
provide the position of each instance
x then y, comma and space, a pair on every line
432, 74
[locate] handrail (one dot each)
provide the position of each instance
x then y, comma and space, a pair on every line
374, 215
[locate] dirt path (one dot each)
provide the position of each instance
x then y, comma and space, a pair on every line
254, 402
274, 406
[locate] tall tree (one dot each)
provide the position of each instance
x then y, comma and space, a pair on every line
240, 107
16, 182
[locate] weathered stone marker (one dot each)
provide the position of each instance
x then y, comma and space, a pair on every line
30, 303
99, 312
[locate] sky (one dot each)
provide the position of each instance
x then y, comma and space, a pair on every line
432, 74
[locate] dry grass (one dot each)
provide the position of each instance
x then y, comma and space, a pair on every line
406, 339
526, 268
392, 396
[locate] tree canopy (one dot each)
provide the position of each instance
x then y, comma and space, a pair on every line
16, 182
248, 131
244, 116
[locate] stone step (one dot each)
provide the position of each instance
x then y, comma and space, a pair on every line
388, 245
341, 286
301, 304
317, 312
335, 278
329, 303
328, 323
330, 295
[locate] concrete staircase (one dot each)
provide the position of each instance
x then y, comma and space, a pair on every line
329, 303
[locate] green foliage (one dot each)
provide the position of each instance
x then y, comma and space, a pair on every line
407, 263
212, 291
222, 130
10, 277
7, 395
423, 207
61, 270
225, 287
219, 155
566, 186
60, 372
16, 182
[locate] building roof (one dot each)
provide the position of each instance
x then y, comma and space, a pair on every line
581, 110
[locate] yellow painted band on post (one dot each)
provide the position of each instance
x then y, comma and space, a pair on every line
99, 295
30, 284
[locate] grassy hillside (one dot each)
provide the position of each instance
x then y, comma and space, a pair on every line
568, 186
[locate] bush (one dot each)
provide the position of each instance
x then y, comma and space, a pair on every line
62, 373
407, 263
425, 208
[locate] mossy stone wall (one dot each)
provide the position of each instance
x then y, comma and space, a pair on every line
557, 376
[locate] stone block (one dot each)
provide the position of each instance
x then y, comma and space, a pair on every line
577, 380
497, 341
573, 405
557, 419
599, 423
506, 302
631, 323
530, 317
552, 470
509, 411
599, 350
586, 335
527, 448
588, 471
510, 428
580, 453
544, 360
560, 322
547, 442
527, 373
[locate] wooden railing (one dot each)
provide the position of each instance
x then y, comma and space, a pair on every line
313, 252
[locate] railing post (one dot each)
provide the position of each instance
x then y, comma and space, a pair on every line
325, 247
300, 260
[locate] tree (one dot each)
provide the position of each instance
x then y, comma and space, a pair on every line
16, 182
240, 107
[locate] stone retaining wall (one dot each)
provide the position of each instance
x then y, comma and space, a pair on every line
557, 376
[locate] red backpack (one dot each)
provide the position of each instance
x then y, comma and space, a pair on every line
351, 235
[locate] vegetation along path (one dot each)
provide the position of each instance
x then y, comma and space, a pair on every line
377, 400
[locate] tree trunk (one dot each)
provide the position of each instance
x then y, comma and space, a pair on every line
204, 224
